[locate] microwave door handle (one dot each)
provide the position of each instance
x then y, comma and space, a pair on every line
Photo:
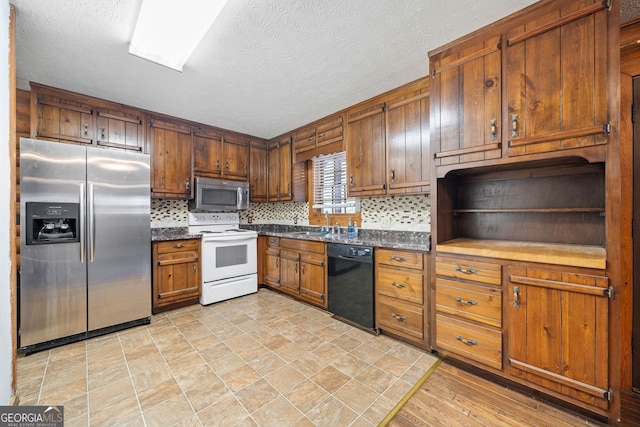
239, 204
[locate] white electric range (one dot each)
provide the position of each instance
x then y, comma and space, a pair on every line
228, 256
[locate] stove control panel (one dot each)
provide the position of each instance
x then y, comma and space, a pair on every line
211, 218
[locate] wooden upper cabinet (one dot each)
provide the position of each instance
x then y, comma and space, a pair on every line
322, 137
279, 170
220, 155
258, 171
556, 79
170, 144
207, 153
366, 150
62, 116
304, 139
466, 103
408, 160
121, 128
235, 157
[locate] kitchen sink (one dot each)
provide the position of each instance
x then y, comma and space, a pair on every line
308, 233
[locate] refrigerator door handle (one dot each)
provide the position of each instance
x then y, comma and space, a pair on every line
81, 219
91, 226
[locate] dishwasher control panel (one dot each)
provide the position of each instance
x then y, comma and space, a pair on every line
360, 251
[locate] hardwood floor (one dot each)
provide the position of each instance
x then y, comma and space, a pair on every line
456, 398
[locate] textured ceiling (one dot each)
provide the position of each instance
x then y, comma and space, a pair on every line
264, 68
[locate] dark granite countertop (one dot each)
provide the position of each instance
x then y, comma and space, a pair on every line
409, 240
172, 233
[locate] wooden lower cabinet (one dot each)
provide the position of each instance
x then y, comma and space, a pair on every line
176, 273
559, 331
554, 320
400, 295
297, 268
468, 305
271, 262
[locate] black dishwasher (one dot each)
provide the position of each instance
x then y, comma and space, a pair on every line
350, 282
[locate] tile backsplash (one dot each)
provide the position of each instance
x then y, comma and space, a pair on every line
169, 213
410, 213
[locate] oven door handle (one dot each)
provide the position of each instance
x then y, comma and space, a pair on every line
227, 239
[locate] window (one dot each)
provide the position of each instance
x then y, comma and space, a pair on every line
330, 184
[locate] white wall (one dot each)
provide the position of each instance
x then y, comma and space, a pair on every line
6, 358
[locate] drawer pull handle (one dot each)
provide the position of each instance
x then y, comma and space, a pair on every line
466, 270
400, 318
178, 246
464, 301
399, 285
398, 258
466, 341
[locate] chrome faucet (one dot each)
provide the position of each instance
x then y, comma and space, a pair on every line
337, 228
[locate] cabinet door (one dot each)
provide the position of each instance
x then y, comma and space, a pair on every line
466, 103
409, 164
258, 171
558, 331
284, 154
304, 139
556, 79
170, 149
273, 173
120, 128
366, 151
61, 119
177, 278
290, 272
235, 156
313, 279
207, 153
330, 131
272, 267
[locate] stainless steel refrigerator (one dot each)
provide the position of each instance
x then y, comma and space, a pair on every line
85, 242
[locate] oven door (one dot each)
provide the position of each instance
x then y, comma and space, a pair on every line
228, 256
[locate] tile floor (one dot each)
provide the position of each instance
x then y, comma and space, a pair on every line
263, 359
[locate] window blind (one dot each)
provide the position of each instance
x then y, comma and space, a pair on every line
330, 181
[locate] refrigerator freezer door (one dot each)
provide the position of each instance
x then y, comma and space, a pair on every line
52, 292
118, 237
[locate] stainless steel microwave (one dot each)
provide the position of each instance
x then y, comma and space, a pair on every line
216, 195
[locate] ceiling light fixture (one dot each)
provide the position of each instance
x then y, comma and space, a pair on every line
167, 32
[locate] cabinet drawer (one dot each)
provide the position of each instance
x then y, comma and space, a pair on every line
399, 258
483, 272
303, 245
400, 318
479, 343
473, 302
400, 284
273, 242
178, 245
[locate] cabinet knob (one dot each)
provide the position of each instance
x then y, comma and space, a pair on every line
102, 132
494, 129
514, 125
187, 184
86, 129
399, 285
195, 269
393, 175
178, 245
398, 258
